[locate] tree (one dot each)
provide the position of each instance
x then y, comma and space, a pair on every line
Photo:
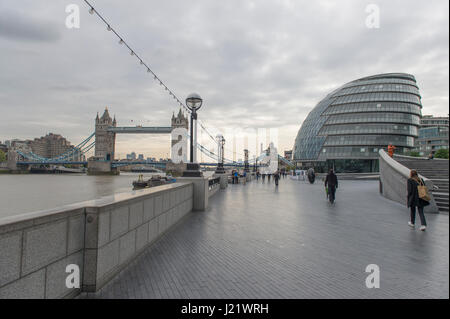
441, 153
3, 156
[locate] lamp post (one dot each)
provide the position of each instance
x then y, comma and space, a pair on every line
246, 167
194, 103
221, 142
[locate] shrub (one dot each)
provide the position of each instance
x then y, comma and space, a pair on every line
414, 154
441, 153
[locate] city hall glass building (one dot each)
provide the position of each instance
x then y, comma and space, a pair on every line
348, 127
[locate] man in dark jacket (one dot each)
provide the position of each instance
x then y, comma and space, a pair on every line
414, 200
276, 177
331, 182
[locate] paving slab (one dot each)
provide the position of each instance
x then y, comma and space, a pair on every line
258, 241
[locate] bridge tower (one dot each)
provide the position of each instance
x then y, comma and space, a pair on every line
180, 126
105, 141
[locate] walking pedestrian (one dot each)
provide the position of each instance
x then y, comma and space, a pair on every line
331, 183
276, 177
414, 200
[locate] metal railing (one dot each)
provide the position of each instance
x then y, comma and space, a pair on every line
213, 181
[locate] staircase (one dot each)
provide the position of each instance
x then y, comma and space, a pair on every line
436, 171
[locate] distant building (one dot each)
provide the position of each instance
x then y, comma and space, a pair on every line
131, 156
54, 145
433, 134
288, 155
19, 145
346, 130
433, 121
141, 157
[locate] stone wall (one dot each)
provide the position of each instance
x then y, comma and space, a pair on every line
100, 236
34, 253
116, 233
393, 182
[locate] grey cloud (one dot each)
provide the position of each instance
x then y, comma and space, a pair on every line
21, 27
261, 65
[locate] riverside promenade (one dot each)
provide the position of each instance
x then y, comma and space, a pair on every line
256, 241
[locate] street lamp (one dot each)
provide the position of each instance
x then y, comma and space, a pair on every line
221, 143
246, 167
194, 103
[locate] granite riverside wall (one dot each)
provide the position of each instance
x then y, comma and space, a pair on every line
101, 237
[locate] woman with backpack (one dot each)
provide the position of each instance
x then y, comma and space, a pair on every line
414, 200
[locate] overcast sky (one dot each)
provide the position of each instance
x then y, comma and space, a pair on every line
257, 64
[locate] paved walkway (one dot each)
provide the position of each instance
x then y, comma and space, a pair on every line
256, 241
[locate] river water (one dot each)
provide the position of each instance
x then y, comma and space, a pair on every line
32, 192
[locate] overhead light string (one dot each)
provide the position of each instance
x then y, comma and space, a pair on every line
122, 41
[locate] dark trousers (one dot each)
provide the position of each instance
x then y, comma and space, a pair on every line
421, 215
331, 192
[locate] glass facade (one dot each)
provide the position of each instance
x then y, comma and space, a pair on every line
433, 135
387, 128
352, 123
374, 107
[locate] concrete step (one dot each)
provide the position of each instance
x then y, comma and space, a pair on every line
438, 172
442, 186
443, 208
421, 166
425, 163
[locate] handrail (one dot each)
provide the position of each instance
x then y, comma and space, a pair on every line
403, 170
392, 181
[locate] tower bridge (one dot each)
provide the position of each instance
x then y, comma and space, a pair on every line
105, 138
103, 142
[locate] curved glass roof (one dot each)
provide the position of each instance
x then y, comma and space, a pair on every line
391, 102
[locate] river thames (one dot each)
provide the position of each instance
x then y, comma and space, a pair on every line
33, 192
